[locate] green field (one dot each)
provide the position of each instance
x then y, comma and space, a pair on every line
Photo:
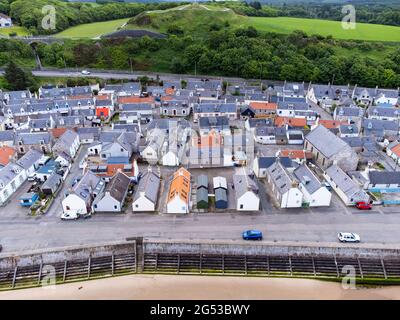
92, 30
20, 31
196, 20
363, 31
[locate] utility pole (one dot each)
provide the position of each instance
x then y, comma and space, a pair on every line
195, 68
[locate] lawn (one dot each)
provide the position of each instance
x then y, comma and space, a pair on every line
92, 30
20, 31
363, 31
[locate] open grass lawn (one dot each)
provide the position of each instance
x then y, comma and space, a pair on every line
20, 31
196, 20
363, 31
92, 30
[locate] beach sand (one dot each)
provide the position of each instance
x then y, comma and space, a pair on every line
162, 287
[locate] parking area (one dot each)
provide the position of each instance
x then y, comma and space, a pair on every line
13, 209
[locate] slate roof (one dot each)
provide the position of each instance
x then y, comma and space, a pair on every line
149, 184
266, 162
325, 141
29, 159
307, 178
209, 108
221, 122
280, 177
344, 182
33, 138
7, 135
242, 184
90, 183
384, 177
118, 186
8, 173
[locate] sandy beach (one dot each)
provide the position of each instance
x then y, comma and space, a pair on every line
162, 287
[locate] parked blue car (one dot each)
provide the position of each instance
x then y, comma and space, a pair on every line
252, 235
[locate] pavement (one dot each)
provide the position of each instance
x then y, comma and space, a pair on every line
378, 227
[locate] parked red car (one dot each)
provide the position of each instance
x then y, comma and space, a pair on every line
363, 206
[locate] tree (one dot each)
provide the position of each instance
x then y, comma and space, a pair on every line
17, 78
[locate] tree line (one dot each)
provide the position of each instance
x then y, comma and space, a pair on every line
243, 53
28, 13
376, 13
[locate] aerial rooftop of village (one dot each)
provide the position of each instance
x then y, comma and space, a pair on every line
197, 146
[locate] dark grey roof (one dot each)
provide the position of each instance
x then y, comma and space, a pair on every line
8, 173
243, 184
220, 107
350, 111
307, 178
348, 128
33, 138
214, 122
149, 185
52, 182
118, 186
325, 141
384, 177
266, 162
29, 159
383, 112
7, 135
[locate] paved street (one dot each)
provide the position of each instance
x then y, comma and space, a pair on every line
319, 225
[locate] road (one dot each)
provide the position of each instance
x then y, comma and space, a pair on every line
126, 75
377, 227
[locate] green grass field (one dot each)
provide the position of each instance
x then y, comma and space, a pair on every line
92, 30
363, 31
196, 20
20, 31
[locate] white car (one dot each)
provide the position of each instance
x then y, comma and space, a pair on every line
85, 72
348, 237
69, 216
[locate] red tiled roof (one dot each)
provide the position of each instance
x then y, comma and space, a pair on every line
5, 154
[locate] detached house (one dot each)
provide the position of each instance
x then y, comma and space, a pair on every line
113, 197
328, 149
79, 198
5, 21
246, 192
145, 199
179, 192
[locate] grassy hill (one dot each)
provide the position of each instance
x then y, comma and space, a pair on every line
363, 31
191, 19
92, 30
196, 19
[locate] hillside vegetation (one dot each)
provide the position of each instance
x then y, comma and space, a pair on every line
198, 20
